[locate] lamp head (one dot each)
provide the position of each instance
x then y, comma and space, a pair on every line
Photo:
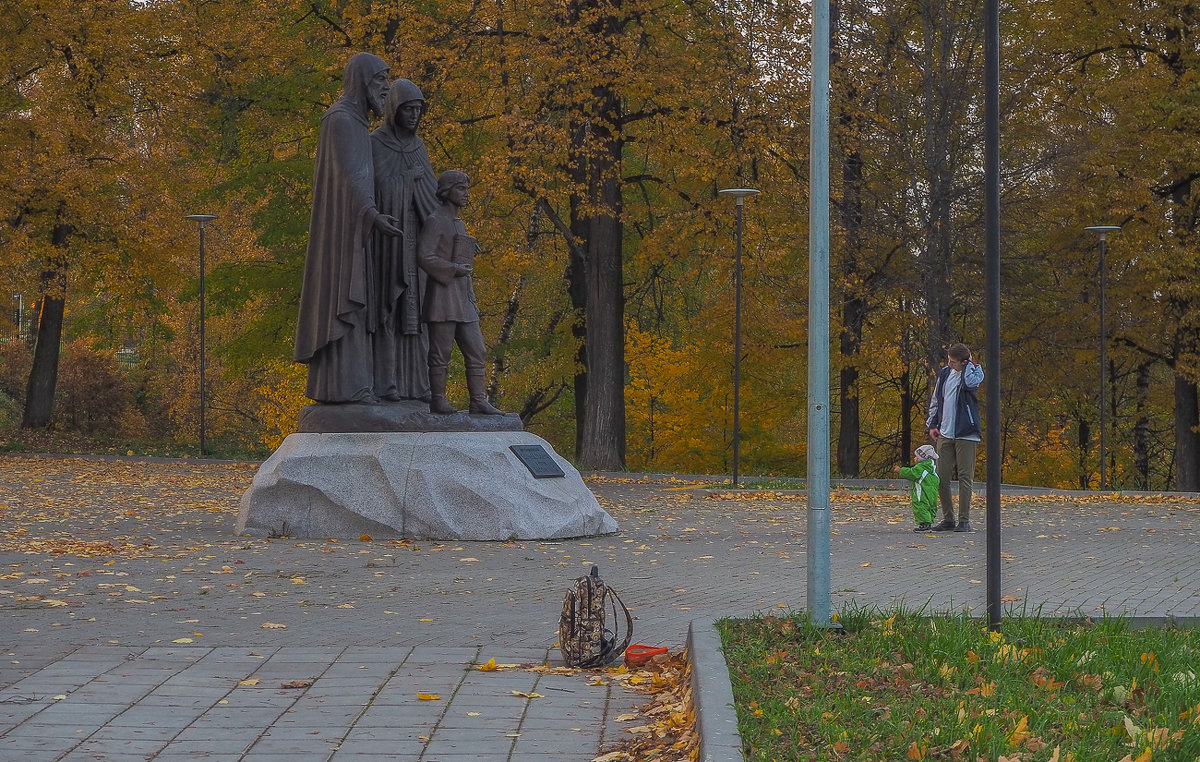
201, 218
738, 193
1103, 230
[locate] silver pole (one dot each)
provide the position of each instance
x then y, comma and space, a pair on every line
818, 324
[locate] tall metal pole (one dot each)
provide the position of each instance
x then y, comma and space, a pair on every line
1103, 231
202, 219
991, 171
737, 345
818, 323
740, 195
1103, 365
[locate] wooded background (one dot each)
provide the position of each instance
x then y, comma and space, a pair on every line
597, 133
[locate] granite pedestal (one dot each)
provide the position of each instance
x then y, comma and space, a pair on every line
439, 485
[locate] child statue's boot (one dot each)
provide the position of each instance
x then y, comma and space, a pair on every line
477, 386
437, 393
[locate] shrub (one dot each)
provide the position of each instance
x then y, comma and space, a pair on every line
16, 359
93, 395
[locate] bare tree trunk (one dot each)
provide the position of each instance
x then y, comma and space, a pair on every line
940, 97
1141, 428
854, 313
603, 443
43, 377
1085, 444
854, 306
1187, 440
907, 403
849, 422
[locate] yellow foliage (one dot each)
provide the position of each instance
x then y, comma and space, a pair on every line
281, 399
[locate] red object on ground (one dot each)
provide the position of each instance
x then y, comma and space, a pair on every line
637, 655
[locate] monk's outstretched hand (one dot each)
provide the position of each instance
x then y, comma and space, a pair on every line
386, 224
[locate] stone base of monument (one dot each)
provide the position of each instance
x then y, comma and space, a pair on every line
422, 486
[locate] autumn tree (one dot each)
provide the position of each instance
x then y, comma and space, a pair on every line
88, 165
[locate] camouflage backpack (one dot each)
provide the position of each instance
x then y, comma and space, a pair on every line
584, 638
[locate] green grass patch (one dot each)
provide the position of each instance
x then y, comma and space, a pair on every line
908, 686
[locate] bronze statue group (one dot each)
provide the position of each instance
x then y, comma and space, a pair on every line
387, 281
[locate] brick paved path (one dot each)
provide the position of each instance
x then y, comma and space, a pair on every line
145, 639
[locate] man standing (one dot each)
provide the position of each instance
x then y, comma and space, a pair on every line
953, 425
332, 332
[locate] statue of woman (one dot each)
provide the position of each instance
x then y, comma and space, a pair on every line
405, 189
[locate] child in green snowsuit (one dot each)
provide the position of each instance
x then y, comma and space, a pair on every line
924, 491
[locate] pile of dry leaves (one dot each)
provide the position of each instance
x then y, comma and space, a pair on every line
668, 730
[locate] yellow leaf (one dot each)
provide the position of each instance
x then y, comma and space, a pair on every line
489, 667
182, 640
272, 626
251, 681
428, 696
916, 752
1020, 732
365, 538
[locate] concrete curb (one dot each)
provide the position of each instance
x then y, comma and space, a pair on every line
712, 694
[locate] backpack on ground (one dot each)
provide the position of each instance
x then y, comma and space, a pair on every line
585, 639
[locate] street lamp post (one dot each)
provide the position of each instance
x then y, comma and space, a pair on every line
740, 195
1103, 231
202, 220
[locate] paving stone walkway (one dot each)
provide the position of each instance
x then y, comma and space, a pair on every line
176, 639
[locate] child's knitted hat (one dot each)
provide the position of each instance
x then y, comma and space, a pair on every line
926, 452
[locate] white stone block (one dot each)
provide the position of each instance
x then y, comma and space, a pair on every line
417, 485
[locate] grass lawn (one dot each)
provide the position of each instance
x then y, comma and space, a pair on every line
907, 686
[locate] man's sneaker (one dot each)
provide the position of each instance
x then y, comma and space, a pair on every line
963, 526
945, 526
922, 528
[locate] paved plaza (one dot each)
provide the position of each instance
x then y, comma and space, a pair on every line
137, 626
